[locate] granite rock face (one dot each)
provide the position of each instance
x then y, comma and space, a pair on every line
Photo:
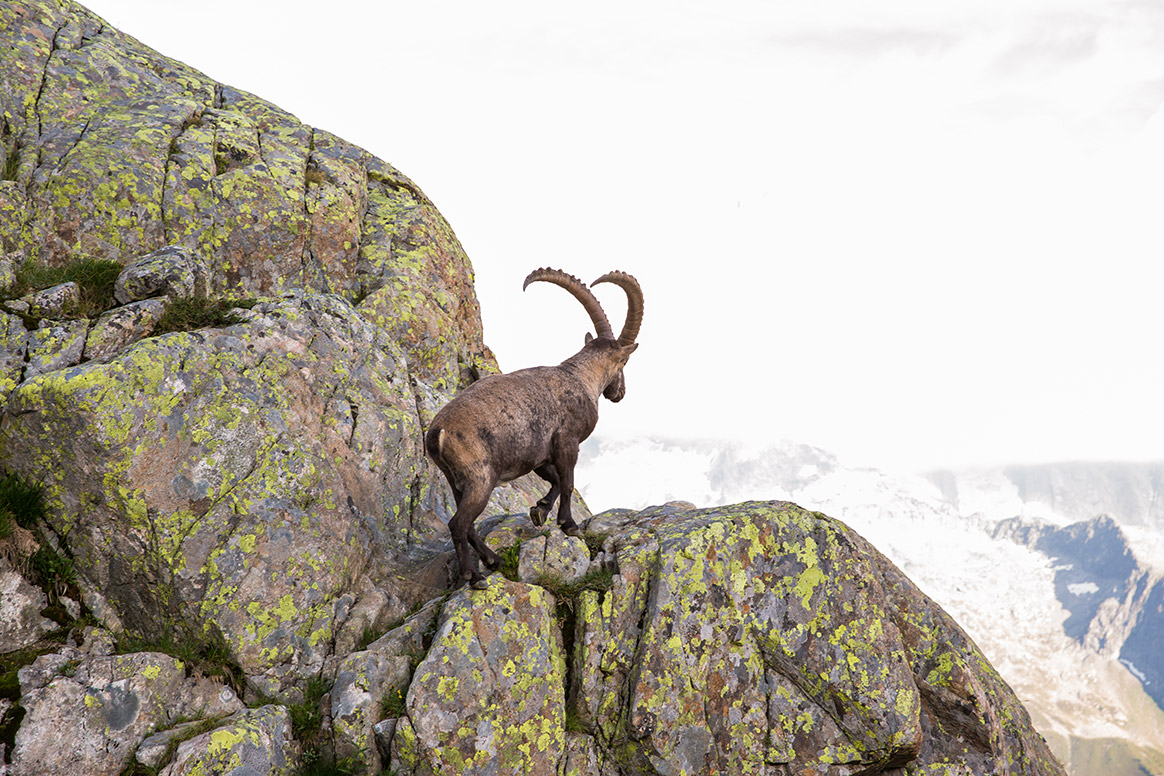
113, 151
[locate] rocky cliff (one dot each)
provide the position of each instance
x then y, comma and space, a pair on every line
221, 547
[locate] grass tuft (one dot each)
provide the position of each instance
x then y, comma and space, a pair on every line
94, 277
197, 313
22, 500
509, 558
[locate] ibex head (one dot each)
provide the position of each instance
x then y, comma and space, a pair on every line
611, 351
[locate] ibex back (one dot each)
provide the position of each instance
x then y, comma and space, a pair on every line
532, 420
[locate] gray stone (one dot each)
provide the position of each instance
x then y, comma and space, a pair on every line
20, 604
120, 327
108, 705
566, 558
13, 345
173, 271
152, 751
363, 682
255, 742
489, 697
55, 345
8, 265
53, 302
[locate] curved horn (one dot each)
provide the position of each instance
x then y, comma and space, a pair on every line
580, 292
634, 303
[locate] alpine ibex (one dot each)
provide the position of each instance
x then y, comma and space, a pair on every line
507, 425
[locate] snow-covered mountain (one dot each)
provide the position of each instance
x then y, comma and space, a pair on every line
1055, 571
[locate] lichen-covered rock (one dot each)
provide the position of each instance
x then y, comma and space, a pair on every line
490, 695
362, 683
243, 477
119, 152
7, 271
753, 639
86, 715
556, 555
173, 271
13, 346
255, 741
21, 623
122, 326
53, 302
55, 345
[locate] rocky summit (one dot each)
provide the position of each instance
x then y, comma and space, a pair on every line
222, 549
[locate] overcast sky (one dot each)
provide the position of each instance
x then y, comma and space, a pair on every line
916, 234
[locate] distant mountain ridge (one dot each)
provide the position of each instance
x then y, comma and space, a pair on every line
1116, 606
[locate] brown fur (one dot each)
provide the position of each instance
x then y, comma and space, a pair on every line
533, 420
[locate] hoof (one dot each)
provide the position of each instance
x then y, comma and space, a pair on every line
492, 565
537, 515
572, 530
479, 584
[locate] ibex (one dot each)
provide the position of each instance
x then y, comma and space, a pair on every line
507, 425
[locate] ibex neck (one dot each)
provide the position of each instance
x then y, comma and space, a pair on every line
591, 367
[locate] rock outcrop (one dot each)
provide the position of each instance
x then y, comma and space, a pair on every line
758, 638
243, 506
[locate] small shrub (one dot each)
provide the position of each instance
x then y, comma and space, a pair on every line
509, 558
197, 313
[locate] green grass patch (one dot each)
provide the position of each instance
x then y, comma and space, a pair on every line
197, 313
94, 277
393, 703
11, 164
306, 716
23, 501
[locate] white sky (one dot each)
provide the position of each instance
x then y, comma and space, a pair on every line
917, 234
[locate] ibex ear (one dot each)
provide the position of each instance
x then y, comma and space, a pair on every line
631, 348
589, 338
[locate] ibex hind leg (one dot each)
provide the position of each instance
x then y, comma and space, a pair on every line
471, 504
491, 560
563, 465
541, 510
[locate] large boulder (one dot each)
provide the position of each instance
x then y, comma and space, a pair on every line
754, 639
87, 714
490, 695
